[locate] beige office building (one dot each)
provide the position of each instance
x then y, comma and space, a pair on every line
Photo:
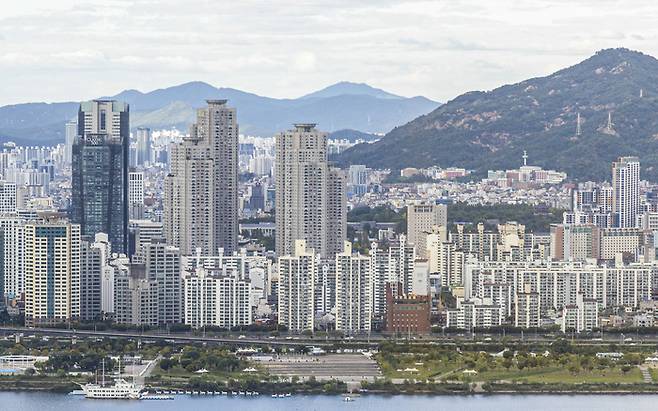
423, 219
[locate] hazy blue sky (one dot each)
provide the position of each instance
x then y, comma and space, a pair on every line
52, 50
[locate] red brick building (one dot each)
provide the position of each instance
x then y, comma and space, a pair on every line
406, 314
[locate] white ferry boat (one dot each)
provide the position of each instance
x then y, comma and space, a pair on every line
119, 390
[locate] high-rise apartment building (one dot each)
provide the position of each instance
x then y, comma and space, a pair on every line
94, 257
212, 298
626, 191
162, 268
310, 198
527, 311
7, 197
142, 232
354, 299
423, 219
99, 201
445, 259
201, 191
336, 217
12, 249
52, 272
391, 265
575, 242
143, 139
70, 132
357, 180
296, 288
136, 195
135, 297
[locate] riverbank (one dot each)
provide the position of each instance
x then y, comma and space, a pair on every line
43, 401
36, 384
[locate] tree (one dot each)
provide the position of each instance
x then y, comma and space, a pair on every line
586, 363
167, 363
507, 363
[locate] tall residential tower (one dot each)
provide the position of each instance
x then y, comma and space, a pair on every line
201, 191
310, 196
626, 190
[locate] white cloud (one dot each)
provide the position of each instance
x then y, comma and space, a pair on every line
287, 48
304, 61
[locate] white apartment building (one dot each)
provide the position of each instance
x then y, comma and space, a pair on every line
354, 292
162, 269
474, 313
296, 288
392, 265
215, 299
94, 256
135, 297
136, 195
12, 243
582, 316
256, 268
52, 272
527, 312
626, 191
445, 259
7, 197
558, 284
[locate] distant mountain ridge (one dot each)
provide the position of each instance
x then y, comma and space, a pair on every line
353, 135
341, 106
347, 88
490, 130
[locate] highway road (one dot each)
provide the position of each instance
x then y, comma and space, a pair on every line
264, 339
173, 337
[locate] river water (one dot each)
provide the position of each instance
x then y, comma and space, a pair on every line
14, 401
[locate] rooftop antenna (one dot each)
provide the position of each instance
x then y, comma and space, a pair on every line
578, 129
609, 121
525, 158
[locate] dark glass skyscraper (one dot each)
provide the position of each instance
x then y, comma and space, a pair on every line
100, 171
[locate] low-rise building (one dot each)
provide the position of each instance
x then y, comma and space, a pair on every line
406, 313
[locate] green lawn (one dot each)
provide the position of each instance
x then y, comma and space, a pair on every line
548, 370
426, 369
561, 375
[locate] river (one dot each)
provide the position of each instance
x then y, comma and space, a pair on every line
26, 401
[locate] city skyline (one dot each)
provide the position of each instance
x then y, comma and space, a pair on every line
390, 45
202, 235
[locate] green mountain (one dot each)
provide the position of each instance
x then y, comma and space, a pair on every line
490, 130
